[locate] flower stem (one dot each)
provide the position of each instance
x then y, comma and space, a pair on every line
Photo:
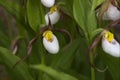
42, 58
92, 69
42, 52
92, 74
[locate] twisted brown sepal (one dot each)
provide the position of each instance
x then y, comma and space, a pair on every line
103, 8
97, 40
94, 44
14, 46
31, 42
29, 49
116, 3
66, 32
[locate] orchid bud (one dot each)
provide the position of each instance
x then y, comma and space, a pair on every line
54, 15
112, 13
50, 42
110, 45
48, 3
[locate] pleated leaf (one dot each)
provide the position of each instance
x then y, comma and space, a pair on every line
96, 3
13, 8
84, 16
34, 10
20, 71
53, 73
112, 63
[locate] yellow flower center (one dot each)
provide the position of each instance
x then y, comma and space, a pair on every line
53, 9
109, 36
48, 35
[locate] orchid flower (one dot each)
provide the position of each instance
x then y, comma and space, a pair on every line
50, 42
112, 13
110, 45
109, 10
54, 15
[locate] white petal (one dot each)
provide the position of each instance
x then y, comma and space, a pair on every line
112, 48
54, 17
48, 3
112, 13
51, 47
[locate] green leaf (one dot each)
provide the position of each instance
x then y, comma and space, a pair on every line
79, 13
20, 71
34, 10
85, 16
4, 40
77, 74
96, 3
67, 6
55, 74
96, 32
2, 27
18, 12
65, 57
113, 64
13, 8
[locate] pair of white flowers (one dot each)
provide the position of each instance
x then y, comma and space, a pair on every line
50, 41
109, 44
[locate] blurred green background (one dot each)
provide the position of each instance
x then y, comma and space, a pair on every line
21, 21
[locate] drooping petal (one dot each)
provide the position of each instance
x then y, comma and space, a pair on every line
54, 17
112, 48
51, 46
48, 3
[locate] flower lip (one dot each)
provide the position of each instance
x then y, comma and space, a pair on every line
109, 36
112, 48
110, 45
52, 44
54, 17
48, 35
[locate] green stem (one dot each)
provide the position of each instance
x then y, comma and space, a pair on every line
42, 13
92, 74
91, 58
92, 61
42, 52
92, 69
42, 58
42, 62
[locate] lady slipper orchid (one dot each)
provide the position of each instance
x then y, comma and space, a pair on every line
112, 13
50, 42
48, 3
53, 14
110, 45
